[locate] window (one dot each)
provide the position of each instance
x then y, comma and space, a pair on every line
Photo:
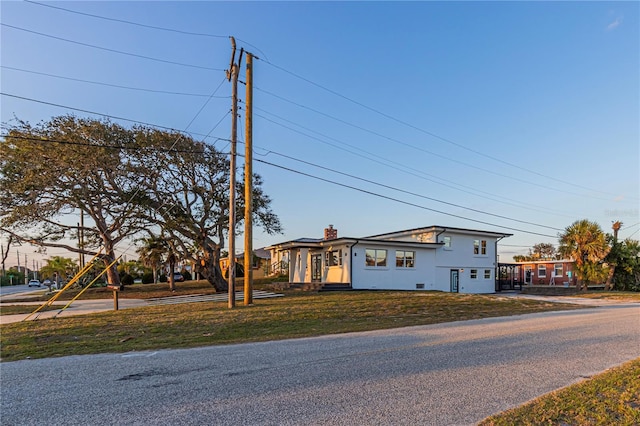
447, 242
376, 257
405, 259
476, 246
474, 274
487, 274
483, 247
542, 271
557, 270
480, 247
333, 258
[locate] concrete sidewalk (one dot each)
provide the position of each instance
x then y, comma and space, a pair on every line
82, 307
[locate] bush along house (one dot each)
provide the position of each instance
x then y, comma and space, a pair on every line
431, 258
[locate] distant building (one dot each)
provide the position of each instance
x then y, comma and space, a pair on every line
261, 263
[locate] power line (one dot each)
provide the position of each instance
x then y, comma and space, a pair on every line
202, 95
171, 149
449, 141
138, 24
99, 113
425, 150
93, 46
396, 199
412, 193
385, 162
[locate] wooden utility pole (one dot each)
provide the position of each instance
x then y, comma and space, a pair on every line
232, 75
248, 186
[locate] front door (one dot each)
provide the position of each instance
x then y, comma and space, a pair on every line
454, 280
527, 274
316, 268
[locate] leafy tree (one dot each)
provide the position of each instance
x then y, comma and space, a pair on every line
187, 196
627, 261
613, 255
585, 243
59, 267
152, 253
127, 181
65, 166
544, 251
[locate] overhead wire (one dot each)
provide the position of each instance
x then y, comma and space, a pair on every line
322, 87
449, 141
172, 149
115, 117
138, 24
93, 46
493, 172
396, 199
398, 166
167, 92
410, 192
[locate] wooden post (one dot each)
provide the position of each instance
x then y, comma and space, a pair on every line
232, 75
115, 289
248, 186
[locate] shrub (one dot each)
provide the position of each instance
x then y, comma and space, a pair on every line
147, 278
187, 275
126, 279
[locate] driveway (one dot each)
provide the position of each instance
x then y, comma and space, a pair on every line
446, 374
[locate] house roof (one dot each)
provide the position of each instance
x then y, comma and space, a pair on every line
385, 238
437, 228
261, 253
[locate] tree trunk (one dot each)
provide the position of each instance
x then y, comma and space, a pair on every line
172, 265
113, 279
209, 268
609, 284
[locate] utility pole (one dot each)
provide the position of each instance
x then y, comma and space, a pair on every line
248, 186
232, 75
26, 271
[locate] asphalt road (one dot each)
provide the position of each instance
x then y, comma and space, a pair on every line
448, 374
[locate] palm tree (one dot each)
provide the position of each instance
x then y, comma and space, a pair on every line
585, 243
152, 254
60, 267
613, 255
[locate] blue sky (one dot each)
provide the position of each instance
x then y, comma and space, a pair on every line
528, 111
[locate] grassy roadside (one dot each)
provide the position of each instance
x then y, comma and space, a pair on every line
208, 323
610, 398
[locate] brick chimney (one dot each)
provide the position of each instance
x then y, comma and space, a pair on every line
330, 233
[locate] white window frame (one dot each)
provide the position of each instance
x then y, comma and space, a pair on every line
404, 259
331, 256
375, 258
555, 270
473, 274
447, 242
542, 268
487, 274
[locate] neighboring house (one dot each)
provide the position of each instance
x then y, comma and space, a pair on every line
261, 262
545, 272
431, 258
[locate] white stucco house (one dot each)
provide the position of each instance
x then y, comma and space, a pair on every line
431, 258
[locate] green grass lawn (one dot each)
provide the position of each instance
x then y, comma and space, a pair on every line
611, 398
298, 314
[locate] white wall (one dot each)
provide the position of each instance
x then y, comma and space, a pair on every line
461, 256
392, 277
